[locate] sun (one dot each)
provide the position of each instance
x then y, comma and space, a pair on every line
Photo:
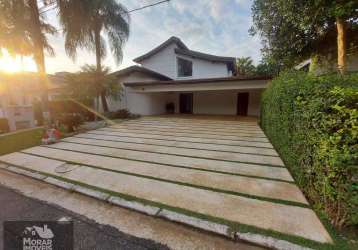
15, 64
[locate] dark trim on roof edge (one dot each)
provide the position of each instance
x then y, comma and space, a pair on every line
136, 68
198, 81
171, 40
200, 55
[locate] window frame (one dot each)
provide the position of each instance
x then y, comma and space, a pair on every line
177, 68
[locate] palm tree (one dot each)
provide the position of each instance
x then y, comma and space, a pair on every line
23, 30
84, 25
84, 85
245, 66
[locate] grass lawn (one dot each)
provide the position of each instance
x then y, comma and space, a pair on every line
19, 140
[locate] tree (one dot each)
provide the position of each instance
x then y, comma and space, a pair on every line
268, 67
245, 66
293, 30
89, 84
23, 30
84, 24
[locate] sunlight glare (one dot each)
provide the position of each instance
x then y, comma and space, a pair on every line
13, 64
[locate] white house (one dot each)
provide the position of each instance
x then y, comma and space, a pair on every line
194, 82
18, 93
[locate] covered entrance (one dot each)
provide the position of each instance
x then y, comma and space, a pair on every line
242, 103
186, 103
217, 96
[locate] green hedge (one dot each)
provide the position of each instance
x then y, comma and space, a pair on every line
312, 122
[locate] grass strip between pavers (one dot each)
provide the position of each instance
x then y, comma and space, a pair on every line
139, 137
212, 150
250, 196
170, 165
234, 226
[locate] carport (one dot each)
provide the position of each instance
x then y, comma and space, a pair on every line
214, 96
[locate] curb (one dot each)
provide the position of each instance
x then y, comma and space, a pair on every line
217, 228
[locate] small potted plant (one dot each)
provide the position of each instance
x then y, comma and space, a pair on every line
170, 108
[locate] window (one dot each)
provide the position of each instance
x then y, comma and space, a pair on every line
185, 67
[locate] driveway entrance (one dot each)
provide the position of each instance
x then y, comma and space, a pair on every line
219, 170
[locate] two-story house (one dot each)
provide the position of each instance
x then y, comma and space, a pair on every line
193, 82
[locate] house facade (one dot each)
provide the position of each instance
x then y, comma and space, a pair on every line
19, 92
188, 81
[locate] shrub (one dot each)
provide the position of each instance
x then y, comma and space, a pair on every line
120, 114
4, 125
313, 123
71, 120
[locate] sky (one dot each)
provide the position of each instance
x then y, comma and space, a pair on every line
218, 27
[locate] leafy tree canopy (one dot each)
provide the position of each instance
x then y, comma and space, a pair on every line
292, 30
89, 83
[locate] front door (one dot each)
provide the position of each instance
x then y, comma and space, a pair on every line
242, 103
186, 103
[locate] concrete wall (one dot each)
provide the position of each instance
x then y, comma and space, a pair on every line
165, 62
224, 102
204, 102
215, 102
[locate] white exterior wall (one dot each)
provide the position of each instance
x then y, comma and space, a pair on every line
136, 103
224, 102
165, 62
215, 102
204, 69
204, 102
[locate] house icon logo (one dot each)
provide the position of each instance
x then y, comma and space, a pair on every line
42, 232
36, 237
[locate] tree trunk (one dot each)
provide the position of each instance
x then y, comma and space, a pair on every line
40, 58
99, 67
341, 45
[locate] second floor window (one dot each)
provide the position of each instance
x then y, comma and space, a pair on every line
185, 67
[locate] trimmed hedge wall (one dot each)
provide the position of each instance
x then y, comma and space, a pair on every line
312, 123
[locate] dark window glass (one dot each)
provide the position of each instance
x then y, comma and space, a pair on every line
185, 67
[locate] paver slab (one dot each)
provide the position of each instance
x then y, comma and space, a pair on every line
171, 153
188, 129
186, 139
181, 138
253, 127
240, 168
178, 144
240, 184
234, 137
286, 219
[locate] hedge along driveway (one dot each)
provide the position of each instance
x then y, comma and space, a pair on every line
313, 123
205, 182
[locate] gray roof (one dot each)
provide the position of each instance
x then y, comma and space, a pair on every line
136, 68
171, 40
230, 61
184, 50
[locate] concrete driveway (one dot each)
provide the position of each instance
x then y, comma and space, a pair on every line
216, 169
